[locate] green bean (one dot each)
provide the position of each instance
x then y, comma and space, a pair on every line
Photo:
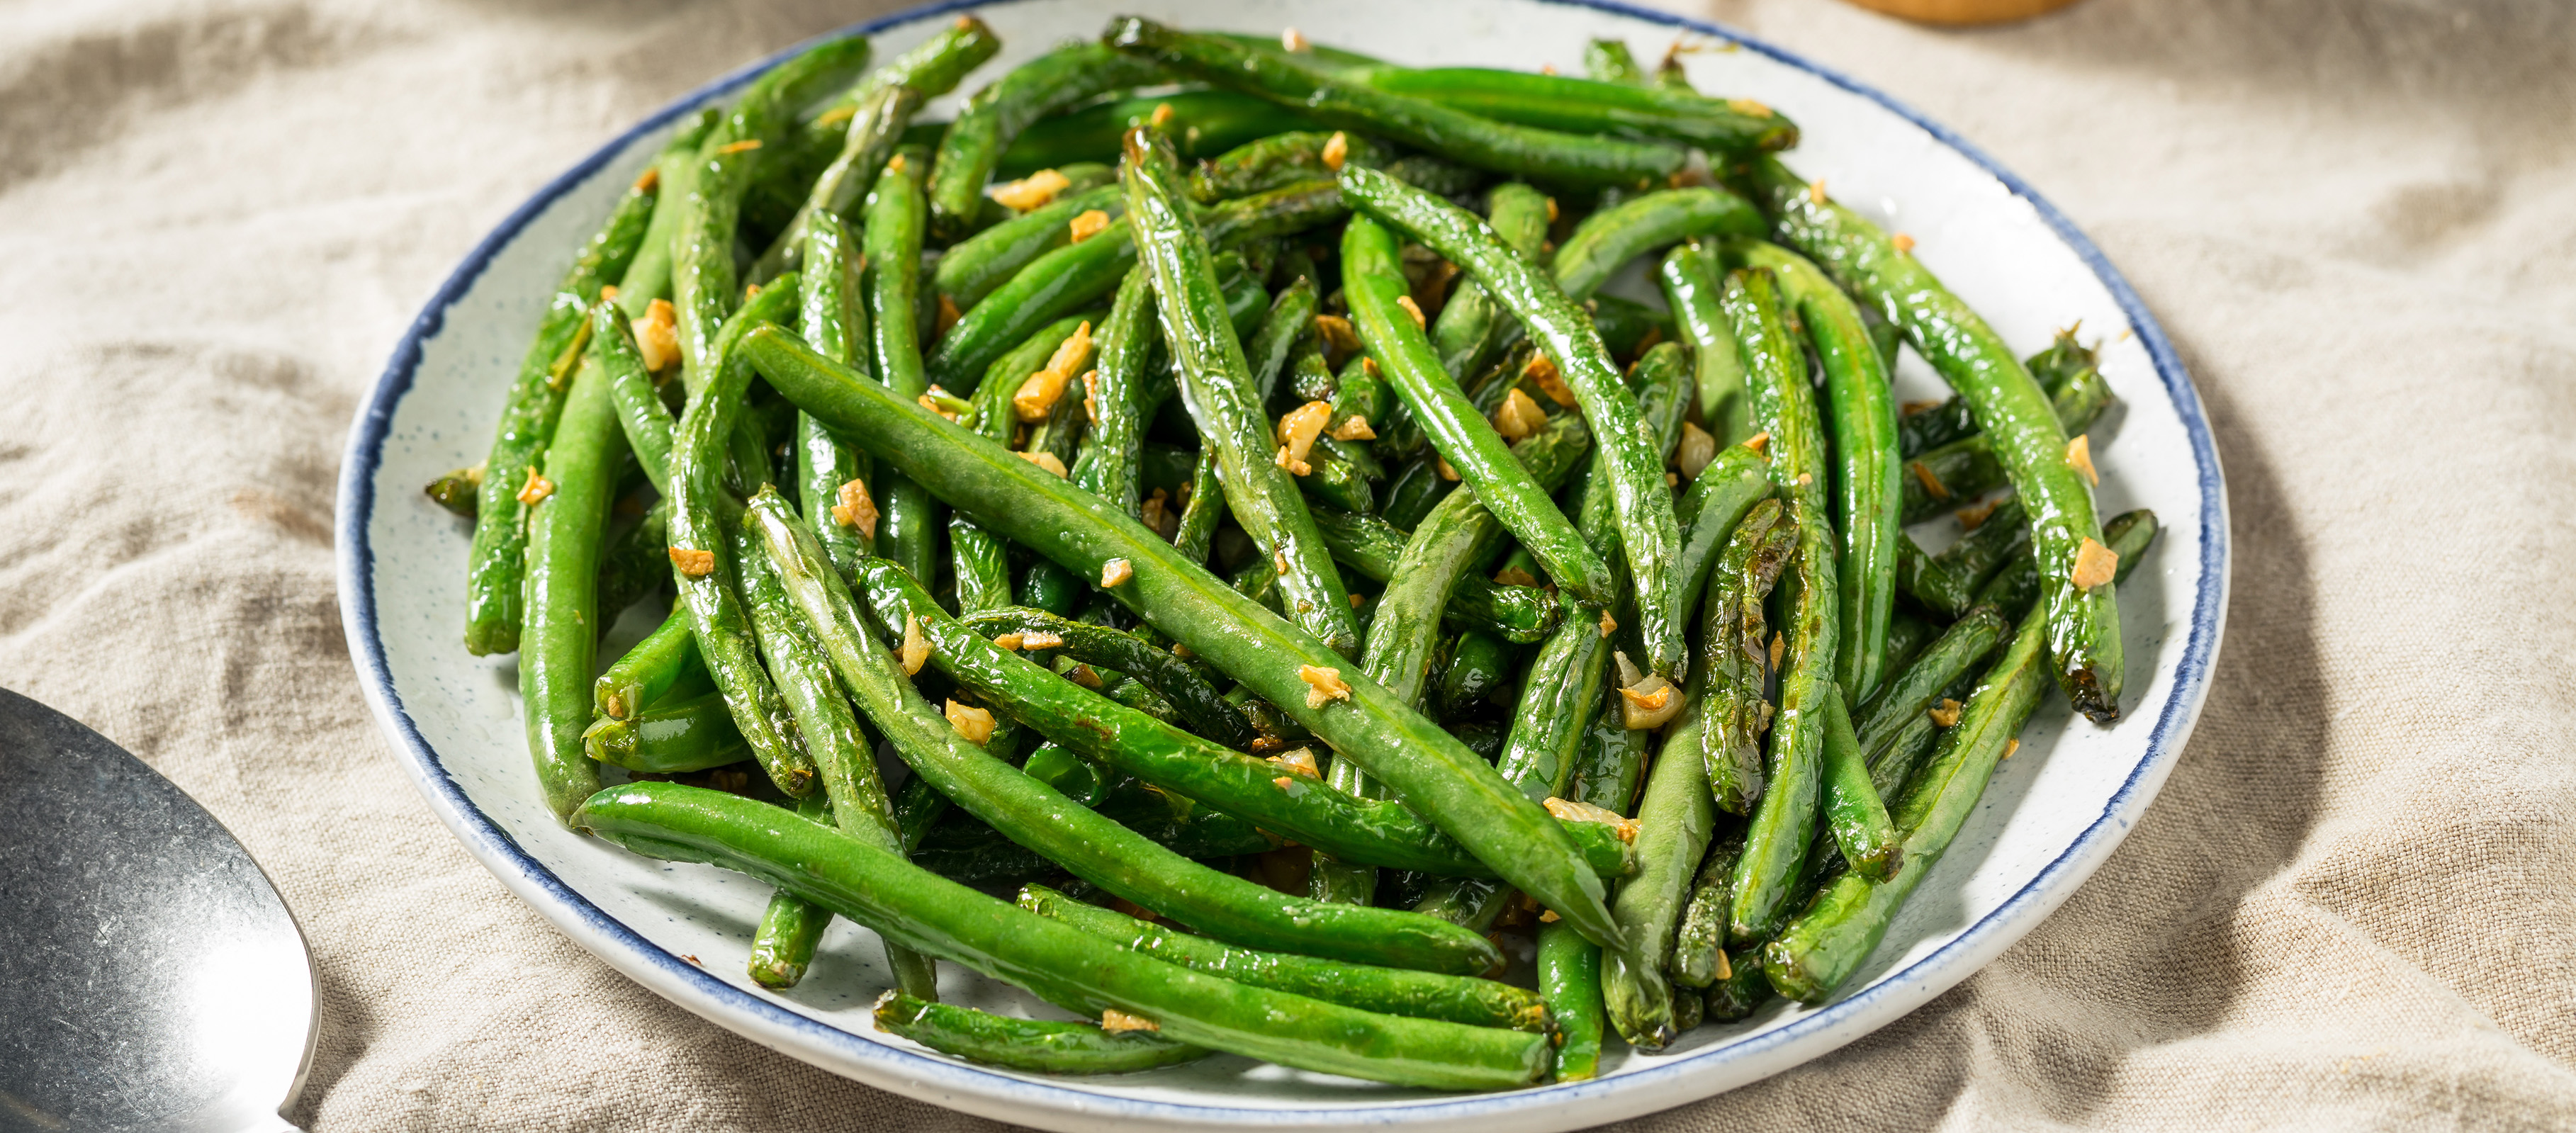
1109, 463
633, 563
1372, 280
2015, 587
1699, 952
1612, 765
496, 565
1711, 507
1039, 1046
1279, 159
1917, 689
1544, 155
1313, 54
1585, 106
1436, 775
1648, 533
703, 280
1734, 651
934, 67
1199, 516
701, 522
646, 421
1291, 319
1217, 386
1092, 847
2019, 424
454, 490
1170, 677
1469, 902
562, 635
1471, 320
1948, 582
1609, 238
1060, 963
1478, 668
988, 122
979, 565
874, 132
834, 321
649, 669
1866, 478
1691, 286
1417, 489
790, 928
1569, 975
1628, 327
1076, 276
971, 269
1907, 634
1332, 481
669, 737
1674, 821
1945, 477
1853, 813
1200, 122
1393, 991
1776, 838
1608, 61
891, 274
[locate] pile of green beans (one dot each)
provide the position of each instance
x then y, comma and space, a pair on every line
1299, 550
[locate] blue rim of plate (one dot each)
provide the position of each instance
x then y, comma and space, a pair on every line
1916, 983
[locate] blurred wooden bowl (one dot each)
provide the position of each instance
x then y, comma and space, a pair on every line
1963, 11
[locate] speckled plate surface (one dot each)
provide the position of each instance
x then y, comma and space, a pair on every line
2052, 815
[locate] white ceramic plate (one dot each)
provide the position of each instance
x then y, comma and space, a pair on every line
2052, 815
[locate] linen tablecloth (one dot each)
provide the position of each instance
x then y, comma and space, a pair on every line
2350, 907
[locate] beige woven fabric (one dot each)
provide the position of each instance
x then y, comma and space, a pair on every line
2350, 907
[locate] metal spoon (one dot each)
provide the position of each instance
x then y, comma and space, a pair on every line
150, 978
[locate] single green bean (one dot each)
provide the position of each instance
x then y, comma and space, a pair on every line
1691, 285
1609, 238
1060, 963
834, 321
1776, 838
890, 270
1711, 507
1644, 506
562, 636
1479, 668
783, 944
1436, 775
1394, 991
675, 177
1544, 155
651, 668
2018, 420
1039, 1046
1415, 491
1200, 514
1853, 812
702, 549
1569, 975
1947, 583
669, 737
1734, 649
1291, 319
1280, 159
1699, 942
988, 122
496, 564
1109, 464
1585, 106
1674, 821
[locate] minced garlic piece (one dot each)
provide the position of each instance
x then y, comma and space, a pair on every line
1514, 576
1758, 441
836, 116
1550, 917
1115, 573
1354, 429
1279, 559
1573, 810
1294, 466
2010, 748
1551, 210
1339, 339
657, 338
2095, 564
648, 180
1084, 675
695, 564
948, 316
896, 163
1902, 243
1037, 396
1284, 783
1300, 761
916, 646
1337, 149
1932, 485
1087, 225
1446, 472
1518, 416
1748, 106
1945, 714
1010, 640
856, 509
1816, 191
1414, 309
536, 489
1041, 639
1971, 518
1045, 460
1162, 116
1550, 382
1181, 649
939, 401
1152, 512
1804, 479
1777, 642
1293, 40
1694, 452
608, 294
1911, 408
1358, 600
1629, 673
1609, 625
1649, 703
1298, 429
1031, 192
744, 146
1323, 686
2079, 456
975, 724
